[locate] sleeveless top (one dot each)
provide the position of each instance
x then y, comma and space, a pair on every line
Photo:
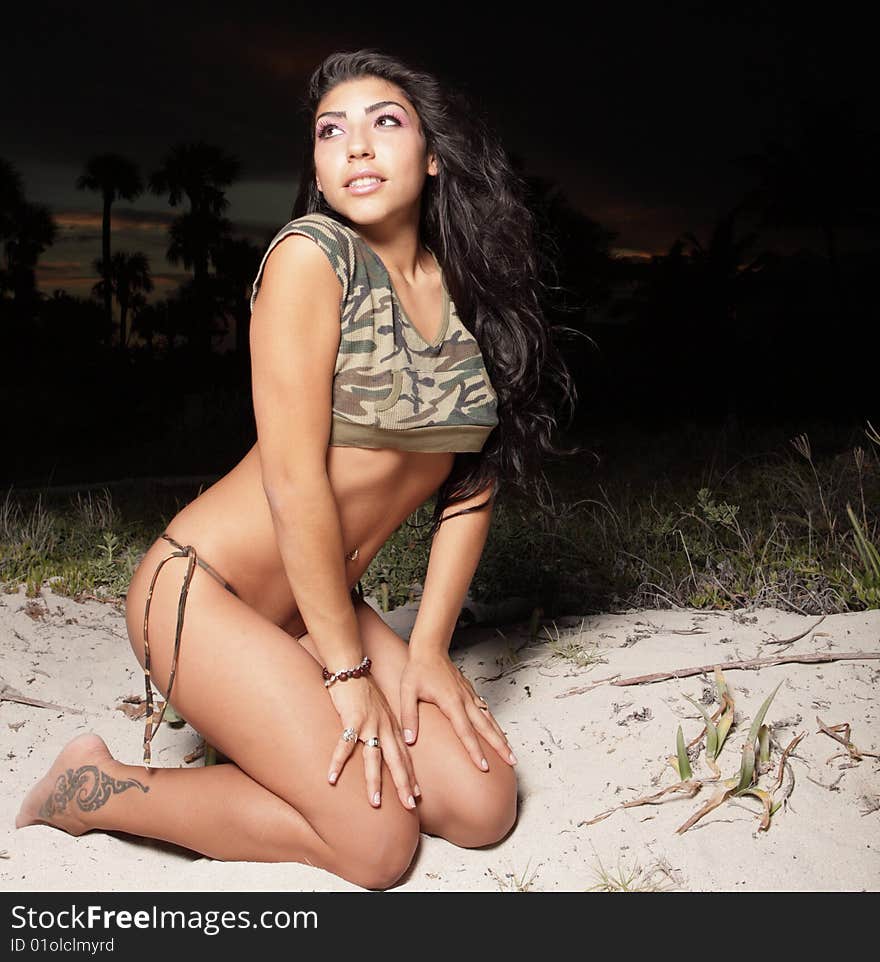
391, 387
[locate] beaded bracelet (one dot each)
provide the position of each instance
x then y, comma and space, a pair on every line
362, 669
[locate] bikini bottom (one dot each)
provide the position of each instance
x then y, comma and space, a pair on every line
187, 551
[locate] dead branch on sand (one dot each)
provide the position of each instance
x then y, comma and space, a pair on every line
791, 641
8, 693
745, 664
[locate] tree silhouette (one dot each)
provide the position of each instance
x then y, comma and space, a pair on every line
720, 273
31, 231
114, 177
71, 328
11, 198
576, 261
721, 269
684, 312
199, 172
11, 195
128, 276
237, 261
155, 319
194, 239
821, 172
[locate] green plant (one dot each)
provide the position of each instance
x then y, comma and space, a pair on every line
715, 733
866, 583
741, 784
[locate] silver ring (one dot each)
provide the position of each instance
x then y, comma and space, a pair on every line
372, 742
349, 735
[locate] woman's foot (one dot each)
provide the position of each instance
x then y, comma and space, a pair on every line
77, 783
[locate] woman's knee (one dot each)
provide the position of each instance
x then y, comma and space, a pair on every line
485, 811
376, 856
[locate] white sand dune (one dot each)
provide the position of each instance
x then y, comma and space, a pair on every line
579, 755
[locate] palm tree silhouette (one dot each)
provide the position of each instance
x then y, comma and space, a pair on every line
199, 172
114, 177
129, 275
237, 261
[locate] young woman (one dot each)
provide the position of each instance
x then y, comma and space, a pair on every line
397, 353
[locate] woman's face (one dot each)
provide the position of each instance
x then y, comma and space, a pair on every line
368, 124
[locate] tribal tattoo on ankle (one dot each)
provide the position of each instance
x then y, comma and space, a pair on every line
91, 788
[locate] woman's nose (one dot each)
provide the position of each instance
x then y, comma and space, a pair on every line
357, 150
359, 143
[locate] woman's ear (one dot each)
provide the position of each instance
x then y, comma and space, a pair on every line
432, 165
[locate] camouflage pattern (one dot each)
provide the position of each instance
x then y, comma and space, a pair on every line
391, 387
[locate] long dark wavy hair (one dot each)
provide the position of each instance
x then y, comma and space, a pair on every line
474, 218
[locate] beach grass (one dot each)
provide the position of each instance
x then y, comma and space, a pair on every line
784, 524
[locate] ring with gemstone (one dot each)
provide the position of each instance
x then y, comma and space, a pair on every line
349, 735
372, 742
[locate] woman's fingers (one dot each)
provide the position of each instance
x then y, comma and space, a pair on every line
486, 725
406, 758
465, 731
373, 769
508, 751
391, 748
341, 754
400, 766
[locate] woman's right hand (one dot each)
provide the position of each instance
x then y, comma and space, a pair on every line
363, 707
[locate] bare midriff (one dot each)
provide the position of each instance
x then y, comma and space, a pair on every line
231, 526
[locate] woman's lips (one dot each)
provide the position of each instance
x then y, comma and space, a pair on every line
365, 188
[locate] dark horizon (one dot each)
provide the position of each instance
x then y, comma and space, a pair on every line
638, 119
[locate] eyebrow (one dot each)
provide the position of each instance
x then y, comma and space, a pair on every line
367, 110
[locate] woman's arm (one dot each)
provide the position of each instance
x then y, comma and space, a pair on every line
455, 553
430, 674
294, 336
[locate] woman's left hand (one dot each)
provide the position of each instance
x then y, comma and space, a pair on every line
433, 677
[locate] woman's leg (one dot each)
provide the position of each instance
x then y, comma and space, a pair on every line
224, 812
218, 810
256, 695
459, 802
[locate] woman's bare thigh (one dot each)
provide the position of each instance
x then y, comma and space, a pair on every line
458, 801
257, 695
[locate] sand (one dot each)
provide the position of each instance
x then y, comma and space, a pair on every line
579, 755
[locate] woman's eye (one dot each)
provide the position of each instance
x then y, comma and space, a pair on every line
322, 131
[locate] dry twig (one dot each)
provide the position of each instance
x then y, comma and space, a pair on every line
791, 641
746, 664
832, 730
8, 693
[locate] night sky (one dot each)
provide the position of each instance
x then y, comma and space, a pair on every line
637, 112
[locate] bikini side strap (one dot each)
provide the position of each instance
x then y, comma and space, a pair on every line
203, 564
150, 728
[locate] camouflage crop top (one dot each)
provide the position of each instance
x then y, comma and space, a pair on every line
392, 388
